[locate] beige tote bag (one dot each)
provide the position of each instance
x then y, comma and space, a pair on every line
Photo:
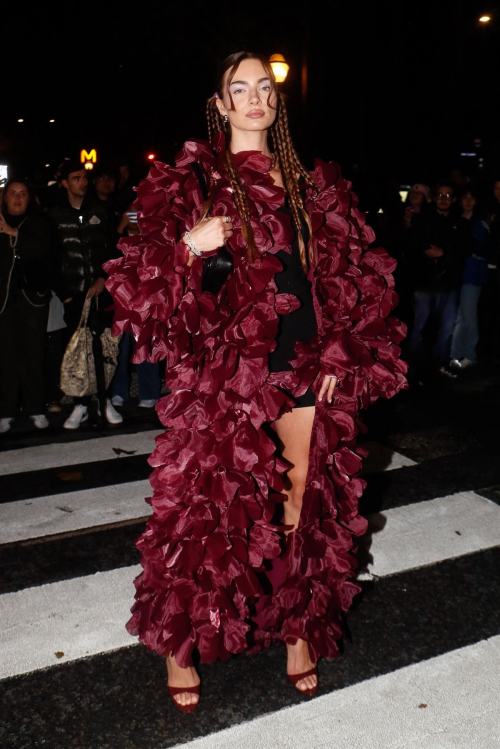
78, 377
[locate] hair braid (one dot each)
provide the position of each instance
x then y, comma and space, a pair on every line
241, 201
217, 123
214, 118
291, 168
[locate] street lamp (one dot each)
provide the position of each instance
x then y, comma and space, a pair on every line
485, 19
280, 67
151, 156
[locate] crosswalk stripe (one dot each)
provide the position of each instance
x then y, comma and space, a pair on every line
90, 612
63, 621
427, 532
59, 513
62, 513
382, 458
446, 702
61, 455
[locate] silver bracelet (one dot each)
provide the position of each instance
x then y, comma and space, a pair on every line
190, 244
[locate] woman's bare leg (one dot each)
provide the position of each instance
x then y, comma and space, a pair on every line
182, 677
294, 430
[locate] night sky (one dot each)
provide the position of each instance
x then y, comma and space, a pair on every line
398, 89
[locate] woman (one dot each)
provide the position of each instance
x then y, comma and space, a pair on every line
466, 331
255, 509
418, 197
24, 284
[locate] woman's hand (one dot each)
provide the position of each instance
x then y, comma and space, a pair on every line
434, 252
211, 233
330, 384
5, 228
124, 222
96, 288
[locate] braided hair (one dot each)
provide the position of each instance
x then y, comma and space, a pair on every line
287, 160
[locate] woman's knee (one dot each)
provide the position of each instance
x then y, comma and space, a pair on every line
297, 477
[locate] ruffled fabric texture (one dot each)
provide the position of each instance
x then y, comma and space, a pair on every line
217, 477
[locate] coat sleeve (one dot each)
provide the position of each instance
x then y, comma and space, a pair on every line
355, 289
150, 279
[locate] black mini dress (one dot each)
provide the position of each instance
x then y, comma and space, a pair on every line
299, 325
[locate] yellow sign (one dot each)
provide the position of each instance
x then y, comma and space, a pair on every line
90, 156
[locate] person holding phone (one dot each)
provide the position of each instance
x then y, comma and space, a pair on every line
418, 197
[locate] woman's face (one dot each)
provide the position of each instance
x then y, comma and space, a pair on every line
468, 202
17, 198
416, 198
496, 191
253, 98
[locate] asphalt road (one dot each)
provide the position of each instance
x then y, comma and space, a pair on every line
421, 668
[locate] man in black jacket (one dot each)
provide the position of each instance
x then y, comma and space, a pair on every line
81, 234
437, 244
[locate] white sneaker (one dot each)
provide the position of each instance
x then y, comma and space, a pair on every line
117, 400
77, 417
40, 421
112, 415
147, 403
464, 363
5, 425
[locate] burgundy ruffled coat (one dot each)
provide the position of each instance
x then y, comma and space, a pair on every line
217, 477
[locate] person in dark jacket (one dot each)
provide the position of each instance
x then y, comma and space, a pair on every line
81, 236
466, 332
489, 305
24, 296
437, 244
104, 181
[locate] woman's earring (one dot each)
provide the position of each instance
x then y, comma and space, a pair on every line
226, 119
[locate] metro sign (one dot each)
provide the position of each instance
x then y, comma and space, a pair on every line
88, 158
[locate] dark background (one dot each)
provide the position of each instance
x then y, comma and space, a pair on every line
396, 89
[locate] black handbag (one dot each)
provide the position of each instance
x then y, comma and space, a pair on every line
216, 268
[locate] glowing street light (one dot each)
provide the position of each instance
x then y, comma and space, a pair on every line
20, 120
280, 67
485, 19
151, 156
51, 120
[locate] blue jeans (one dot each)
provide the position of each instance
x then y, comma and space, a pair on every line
443, 306
148, 374
466, 333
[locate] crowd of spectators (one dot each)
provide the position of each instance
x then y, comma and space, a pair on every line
450, 284
53, 247
52, 250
